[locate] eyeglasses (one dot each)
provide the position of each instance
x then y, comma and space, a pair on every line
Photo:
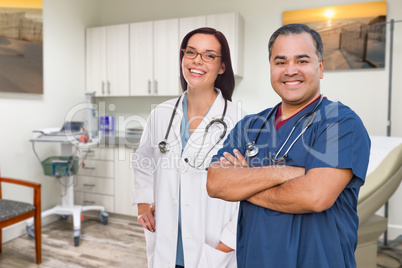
205, 56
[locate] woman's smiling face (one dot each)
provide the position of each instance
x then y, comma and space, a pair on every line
197, 72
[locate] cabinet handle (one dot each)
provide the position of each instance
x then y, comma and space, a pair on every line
149, 87
103, 87
89, 202
91, 168
89, 185
156, 87
108, 87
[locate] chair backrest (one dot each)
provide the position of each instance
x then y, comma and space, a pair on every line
383, 180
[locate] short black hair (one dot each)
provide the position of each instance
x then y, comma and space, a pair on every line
290, 29
226, 81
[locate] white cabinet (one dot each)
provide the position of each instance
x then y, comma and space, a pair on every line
166, 57
232, 26
106, 180
186, 25
142, 58
96, 60
154, 53
107, 52
95, 181
124, 182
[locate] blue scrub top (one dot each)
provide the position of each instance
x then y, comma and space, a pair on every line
268, 238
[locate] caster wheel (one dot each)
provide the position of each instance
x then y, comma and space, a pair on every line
104, 217
30, 232
77, 236
76, 241
64, 217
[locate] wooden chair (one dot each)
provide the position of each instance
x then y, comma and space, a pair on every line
12, 212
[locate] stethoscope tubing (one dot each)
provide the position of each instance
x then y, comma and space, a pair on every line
252, 150
164, 146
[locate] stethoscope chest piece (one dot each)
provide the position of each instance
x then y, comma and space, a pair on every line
251, 149
164, 147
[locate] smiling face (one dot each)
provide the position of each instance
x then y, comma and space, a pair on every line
198, 73
296, 69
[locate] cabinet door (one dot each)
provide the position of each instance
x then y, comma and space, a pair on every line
118, 60
124, 182
141, 58
186, 25
232, 26
96, 60
166, 57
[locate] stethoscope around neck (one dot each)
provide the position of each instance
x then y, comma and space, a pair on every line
164, 146
252, 150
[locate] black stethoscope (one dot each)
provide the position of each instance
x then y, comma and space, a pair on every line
252, 150
164, 146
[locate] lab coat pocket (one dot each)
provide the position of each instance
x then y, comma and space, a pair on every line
150, 239
213, 258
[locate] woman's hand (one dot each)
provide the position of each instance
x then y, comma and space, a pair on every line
145, 217
222, 247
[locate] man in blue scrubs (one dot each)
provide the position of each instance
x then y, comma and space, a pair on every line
299, 193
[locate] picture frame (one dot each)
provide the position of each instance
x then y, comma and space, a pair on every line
353, 35
21, 47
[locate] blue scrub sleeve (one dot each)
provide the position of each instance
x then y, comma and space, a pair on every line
341, 141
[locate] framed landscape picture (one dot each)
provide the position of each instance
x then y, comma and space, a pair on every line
353, 35
21, 46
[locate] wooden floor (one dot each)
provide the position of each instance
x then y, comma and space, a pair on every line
120, 243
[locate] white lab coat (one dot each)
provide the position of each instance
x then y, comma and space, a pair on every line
205, 221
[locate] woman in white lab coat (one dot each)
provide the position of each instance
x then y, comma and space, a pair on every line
183, 226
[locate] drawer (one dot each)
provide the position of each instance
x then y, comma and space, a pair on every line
97, 168
95, 185
89, 199
97, 153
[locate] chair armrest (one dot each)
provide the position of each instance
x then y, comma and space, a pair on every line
34, 185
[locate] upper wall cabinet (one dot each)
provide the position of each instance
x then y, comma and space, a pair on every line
232, 26
107, 52
154, 54
186, 25
142, 59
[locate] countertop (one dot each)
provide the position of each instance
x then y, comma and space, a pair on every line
120, 139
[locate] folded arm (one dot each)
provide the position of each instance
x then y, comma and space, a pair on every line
314, 192
232, 179
282, 188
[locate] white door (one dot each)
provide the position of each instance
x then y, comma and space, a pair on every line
96, 60
186, 25
118, 60
141, 59
166, 57
232, 26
